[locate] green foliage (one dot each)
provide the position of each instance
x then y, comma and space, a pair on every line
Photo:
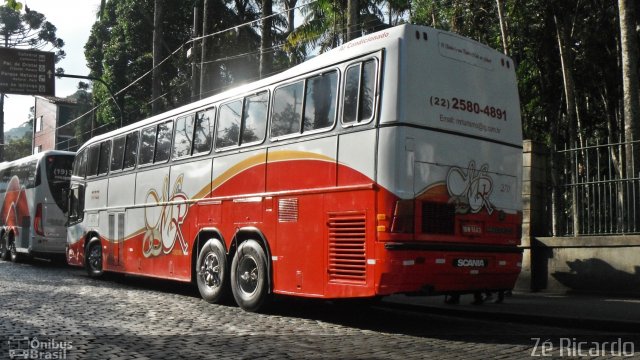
18, 148
119, 51
28, 29
325, 24
13, 4
533, 42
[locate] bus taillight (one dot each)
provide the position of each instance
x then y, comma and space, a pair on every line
403, 217
37, 222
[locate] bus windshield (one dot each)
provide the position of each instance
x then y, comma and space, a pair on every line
58, 175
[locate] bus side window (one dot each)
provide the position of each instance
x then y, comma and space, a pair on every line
93, 158
229, 124
117, 155
163, 142
367, 90
76, 204
147, 145
105, 157
203, 131
82, 163
30, 174
254, 117
287, 109
320, 101
131, 151
183, 137
359, 92
3, 181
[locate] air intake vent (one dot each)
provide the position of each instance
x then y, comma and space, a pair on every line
438, 218
347, 261
288, 210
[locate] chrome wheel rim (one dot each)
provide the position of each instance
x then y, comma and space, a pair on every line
95, 258
248, 275
210, 271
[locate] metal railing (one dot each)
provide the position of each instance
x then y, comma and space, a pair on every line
597, 194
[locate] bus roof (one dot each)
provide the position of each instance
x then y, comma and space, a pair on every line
352, 49
36, 156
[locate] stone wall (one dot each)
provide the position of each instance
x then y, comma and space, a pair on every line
590, 264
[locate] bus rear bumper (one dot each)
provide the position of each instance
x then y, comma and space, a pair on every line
443, 269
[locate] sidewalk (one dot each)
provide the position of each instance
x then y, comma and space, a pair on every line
581, 311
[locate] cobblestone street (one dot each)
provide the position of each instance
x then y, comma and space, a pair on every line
52, 306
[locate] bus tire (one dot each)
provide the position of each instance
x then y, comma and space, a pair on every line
11, 249
93, 258
249, 276
212, 275
4, 247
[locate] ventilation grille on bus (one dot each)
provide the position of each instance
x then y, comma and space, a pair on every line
288, 210
438, 218
347, 260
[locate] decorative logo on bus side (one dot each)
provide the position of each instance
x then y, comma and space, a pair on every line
163, 221
470, 188
15, 206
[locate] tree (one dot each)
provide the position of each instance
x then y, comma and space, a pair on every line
156, 90
120, 51
353, 10
18, 148
25, 29
629, 54
328, 24
266, 42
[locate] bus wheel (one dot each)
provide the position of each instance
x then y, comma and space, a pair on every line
249, 276
11, 249
93, 258
4, 252
211, 271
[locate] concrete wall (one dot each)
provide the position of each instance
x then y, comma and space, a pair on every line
535, 199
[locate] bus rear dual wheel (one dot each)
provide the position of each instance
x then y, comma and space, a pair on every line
4, 247
212, 272
247, 278
8, 250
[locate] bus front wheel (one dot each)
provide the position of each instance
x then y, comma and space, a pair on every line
249, 276
4, 247
211, 271
93, 258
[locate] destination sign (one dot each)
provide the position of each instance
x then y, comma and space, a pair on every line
27, 72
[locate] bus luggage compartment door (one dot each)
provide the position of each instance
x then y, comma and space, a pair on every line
116, 238
24, 232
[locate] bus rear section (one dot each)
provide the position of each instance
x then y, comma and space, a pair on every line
449, 210
33, 212
50, 226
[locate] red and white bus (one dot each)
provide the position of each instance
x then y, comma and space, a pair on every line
34, 204
391, 164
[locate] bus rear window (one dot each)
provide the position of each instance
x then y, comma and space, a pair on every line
359, 92
59, 169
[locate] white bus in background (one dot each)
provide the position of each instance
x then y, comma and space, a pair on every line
391, 164
33, 199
